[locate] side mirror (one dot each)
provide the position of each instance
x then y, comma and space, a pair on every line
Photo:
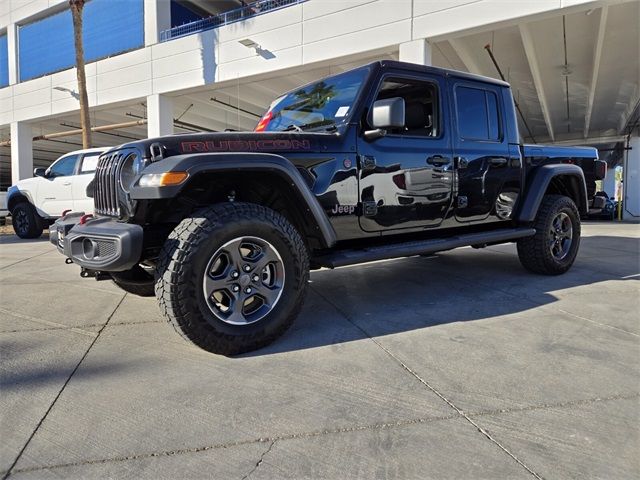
387, 113
39, 172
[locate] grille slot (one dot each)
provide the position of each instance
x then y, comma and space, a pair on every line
106, 186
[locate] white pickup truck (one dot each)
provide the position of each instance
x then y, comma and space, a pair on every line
37, 202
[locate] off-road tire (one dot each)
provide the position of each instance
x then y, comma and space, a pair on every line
26, 221
535, 253
135, 281
186, 254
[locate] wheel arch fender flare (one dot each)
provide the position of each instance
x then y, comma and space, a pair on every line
199, 163
16, 196
572, 177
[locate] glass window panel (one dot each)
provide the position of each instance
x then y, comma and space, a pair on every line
472, 113
110, 27
4, 62
63, 167
89, 162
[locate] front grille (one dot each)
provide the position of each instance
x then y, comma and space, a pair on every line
105, 194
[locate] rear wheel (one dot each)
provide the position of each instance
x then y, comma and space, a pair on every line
554, 247
26, 221
232, 278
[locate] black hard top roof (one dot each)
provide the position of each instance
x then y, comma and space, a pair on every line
437, 70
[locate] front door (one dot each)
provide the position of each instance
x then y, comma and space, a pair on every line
55, 193
406, 177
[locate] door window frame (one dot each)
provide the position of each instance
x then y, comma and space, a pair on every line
60, 160
81, 161
438, 97
485, 89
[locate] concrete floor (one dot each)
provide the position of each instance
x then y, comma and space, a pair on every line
457, 366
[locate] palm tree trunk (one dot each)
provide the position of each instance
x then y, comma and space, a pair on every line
76, 12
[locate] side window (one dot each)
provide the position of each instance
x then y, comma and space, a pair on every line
421, 105
63, 167
89, 162
477, 113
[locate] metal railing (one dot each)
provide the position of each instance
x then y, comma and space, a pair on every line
243, 13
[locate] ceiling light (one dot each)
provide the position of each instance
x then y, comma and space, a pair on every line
247, 42
566, 71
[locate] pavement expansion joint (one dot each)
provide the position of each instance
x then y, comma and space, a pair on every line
313, 434
64, 386
549, 406
431, 388
80, 329
23, 260
238, 443
597, 323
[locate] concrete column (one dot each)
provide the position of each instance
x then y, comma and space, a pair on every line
416, 51
159, 115
631, 185
609, 183
21, 151
12, 47
157, 17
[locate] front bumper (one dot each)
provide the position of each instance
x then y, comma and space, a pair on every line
101, 244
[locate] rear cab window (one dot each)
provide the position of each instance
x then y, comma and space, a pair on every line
477, 114
89, 162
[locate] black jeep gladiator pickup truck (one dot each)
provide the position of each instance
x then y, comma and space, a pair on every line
387, 160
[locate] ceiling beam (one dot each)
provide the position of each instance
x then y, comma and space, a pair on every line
592, 140
464, 55
530, 52
597, 55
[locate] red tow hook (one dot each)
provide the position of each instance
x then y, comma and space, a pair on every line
84, 218
65, 213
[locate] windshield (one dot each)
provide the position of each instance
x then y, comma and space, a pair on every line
323, 105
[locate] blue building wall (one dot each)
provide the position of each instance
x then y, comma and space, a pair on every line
110, 27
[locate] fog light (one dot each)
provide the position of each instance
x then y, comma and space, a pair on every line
89, 248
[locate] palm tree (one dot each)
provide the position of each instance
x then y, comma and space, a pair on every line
76, 12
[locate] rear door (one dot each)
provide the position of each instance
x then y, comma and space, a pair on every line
86, 172
406, 177
488, 179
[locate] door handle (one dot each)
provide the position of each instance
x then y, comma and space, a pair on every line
66, 184
498, 161
437, 160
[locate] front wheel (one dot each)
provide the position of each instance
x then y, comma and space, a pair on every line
232, 277
26, 221
554, 247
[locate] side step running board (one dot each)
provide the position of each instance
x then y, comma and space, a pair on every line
341, 258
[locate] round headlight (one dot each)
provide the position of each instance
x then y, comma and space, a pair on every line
130, 169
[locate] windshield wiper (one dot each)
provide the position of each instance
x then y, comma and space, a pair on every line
291, 127
330, 126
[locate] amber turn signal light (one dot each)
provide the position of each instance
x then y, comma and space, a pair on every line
162, 179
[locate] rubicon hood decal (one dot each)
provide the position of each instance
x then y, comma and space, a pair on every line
244, 145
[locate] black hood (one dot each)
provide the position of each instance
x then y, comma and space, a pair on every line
270, 142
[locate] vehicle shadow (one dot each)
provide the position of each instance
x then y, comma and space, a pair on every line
385, 298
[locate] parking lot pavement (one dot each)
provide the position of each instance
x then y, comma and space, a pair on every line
461, 365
